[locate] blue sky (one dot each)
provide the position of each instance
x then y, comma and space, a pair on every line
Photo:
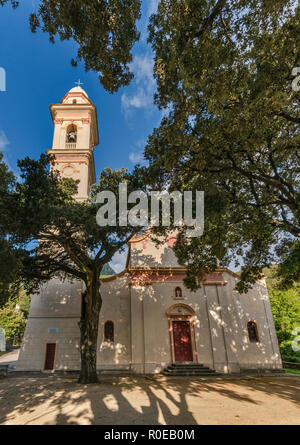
39, 73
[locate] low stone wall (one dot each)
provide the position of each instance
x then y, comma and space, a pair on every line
291, 365
3, 370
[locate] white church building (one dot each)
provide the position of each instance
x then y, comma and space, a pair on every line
149, 322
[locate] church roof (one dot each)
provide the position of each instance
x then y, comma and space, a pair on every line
78, 90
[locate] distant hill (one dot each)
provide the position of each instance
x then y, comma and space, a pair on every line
107, 270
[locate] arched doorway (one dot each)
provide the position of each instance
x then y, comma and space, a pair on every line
182, 335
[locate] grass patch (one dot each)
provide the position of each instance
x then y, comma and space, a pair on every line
3, 352
292, 371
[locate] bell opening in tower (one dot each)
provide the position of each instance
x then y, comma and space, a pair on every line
71, 136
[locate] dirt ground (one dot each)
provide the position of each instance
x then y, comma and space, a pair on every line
53, 400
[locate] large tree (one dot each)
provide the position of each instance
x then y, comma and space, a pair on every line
10, 258
105, 32
60, 237
226, 78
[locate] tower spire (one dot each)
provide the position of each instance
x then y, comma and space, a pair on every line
74, 138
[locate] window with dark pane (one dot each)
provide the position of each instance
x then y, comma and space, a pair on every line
109, 331
252, 332
178, 292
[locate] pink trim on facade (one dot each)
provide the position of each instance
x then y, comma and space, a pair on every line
76, 95
139, 278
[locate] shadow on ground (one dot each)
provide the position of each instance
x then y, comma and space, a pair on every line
151, 401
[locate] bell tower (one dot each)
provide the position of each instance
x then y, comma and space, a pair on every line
75, 136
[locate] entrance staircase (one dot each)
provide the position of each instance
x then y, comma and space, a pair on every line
189, 369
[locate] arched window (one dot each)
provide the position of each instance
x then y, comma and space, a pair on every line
252, 332
109, 331
178, 292
71, 137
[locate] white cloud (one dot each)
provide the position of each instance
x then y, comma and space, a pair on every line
137, 100
118, 262
136, 157
151, 9
3, 140
144, 83
142, 66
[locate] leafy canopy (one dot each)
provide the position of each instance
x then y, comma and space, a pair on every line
58, 235
10, 257
224, 75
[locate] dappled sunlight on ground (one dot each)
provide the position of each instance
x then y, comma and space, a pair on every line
149, 400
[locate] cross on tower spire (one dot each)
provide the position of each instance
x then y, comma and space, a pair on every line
79, 83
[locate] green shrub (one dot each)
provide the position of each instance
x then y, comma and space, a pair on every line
287, 353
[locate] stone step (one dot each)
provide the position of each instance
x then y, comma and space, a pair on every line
182, 371
189, 369
195, 368
186, 364
191, 374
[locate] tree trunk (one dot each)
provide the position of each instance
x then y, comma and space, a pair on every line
91, 303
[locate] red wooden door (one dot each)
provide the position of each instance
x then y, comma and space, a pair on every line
182, 341
50, 356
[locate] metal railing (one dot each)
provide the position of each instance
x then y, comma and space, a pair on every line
71, 145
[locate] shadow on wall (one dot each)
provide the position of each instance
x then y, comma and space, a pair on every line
53, 400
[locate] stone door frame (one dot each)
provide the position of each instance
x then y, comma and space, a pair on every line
186, 314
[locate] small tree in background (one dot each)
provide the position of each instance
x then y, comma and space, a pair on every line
12, 320
286, 313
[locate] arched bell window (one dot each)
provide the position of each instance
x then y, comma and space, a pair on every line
71, 137
178, 292
109, 331
252, 332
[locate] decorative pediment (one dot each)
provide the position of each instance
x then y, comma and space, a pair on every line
180, 309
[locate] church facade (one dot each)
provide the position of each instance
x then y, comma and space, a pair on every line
148, 320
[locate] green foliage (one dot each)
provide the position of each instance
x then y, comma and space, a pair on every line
59, 237
70, 242
9, 258
12, 319
22, 301
286, 312
292, 371
223, 70
285, 306
105, 32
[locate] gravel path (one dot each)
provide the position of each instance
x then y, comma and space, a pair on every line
151, 401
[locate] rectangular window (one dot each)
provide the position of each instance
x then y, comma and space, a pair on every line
109, 334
